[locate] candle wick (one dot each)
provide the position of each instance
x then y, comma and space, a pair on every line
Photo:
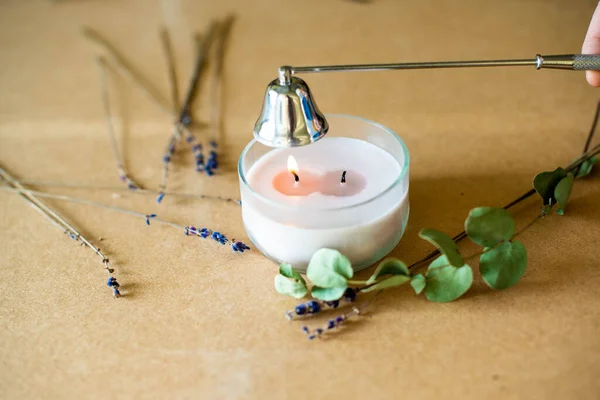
296, 177
344, 177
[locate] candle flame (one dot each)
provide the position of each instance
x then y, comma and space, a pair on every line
292, 164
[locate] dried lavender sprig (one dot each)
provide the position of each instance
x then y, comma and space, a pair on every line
338, 321
61, 223
204, 233
313, 306
331, 324
77, 185
203, 45
123, 175
236, 246
216, 94
176, 132
141, 82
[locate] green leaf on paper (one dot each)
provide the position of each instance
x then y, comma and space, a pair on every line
445, 282
445, 244
562, 192
389, 266
586, 167
288, 271
503, 266
488, 226
289, 282
329, 269
545, 182
290, 287
327, 294
418, 283
392, 281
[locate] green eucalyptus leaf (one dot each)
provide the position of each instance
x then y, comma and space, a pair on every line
445, 244
288, 271
329, 269
562, 192
389, 266
392, 281
503, 266
586, 167
290, 287
327, 294
418, 283
545, 182
446, 282
488, 226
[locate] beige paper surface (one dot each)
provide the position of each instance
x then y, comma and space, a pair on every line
199, 321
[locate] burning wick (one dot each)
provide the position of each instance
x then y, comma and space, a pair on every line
293, 167
343, 177
296, 177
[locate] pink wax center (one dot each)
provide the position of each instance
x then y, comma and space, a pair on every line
329, 183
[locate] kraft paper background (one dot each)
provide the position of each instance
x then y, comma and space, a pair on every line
199, 321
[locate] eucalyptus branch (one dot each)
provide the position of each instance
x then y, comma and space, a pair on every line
462, 235
61, 223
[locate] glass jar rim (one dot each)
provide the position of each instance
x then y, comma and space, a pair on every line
397, 181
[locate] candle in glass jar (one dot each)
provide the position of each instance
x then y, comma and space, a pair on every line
298, 200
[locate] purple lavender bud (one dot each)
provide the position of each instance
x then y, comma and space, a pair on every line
333, 304
131, 186
350, 295
186, 119
116, 292
189, 139
301, 309
313, 306
123, 177
305, 329
331, 324
319, 331
160, 197
213, 144
166, 159
339, 320
196, 148
209, 171
311, 337
213, 154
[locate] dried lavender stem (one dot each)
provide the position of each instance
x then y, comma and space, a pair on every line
171, 70
237, 246
216, 89
203, 46
61, 223
126, 68
77, 185
129, 72
123, 175
176, 132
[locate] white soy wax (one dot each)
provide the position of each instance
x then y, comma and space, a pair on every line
289, 218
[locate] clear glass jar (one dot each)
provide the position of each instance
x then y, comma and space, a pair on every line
363, 232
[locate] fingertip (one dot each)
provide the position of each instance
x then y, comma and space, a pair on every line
593, 78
